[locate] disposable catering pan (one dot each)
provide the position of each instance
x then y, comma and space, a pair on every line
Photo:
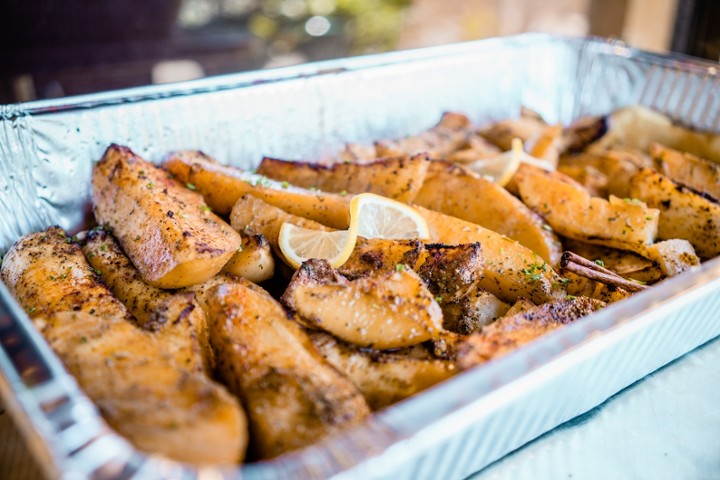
46, 154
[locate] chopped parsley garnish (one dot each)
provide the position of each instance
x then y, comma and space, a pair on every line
599, 262
191, 186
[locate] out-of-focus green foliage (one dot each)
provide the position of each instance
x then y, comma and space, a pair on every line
364, 25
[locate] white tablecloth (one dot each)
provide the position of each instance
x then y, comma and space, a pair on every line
665, 426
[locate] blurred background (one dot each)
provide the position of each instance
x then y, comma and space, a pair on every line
52, 48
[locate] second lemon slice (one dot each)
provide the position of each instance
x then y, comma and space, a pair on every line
373, 216
299, 244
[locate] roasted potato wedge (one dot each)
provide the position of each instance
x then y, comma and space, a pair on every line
378, 255
451, 273
592, 179
399, 178
384, 378
673, 256
502, 133
292, 395
386, 311
253, 216
166, 230
510, 270
639, 127
447, 189
451, 134
253, 260
160, 405
176, 318
469, 311
510, 332
572, 212
222, 186
686, 169
683, 213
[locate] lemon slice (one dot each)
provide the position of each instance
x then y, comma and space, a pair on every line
299, 244
501, 168
373, 216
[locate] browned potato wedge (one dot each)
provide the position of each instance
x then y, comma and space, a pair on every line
253, 260
176, 318
674, 256
292, 395
384, 378
511, 332
572, 212
686, 169
451, 273
639, 127
167, 230
58, 280
391, 310
592, 179
469, 312
503, 132
455, 191
222, 186
399, 178
160, 405
253, 216
377, 255
451, 134
510, 270
617, 166
683, 213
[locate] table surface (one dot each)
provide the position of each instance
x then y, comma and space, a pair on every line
665, 426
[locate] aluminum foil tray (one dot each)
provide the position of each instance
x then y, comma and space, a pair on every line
46, 153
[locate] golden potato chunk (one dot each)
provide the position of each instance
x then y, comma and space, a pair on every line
166, 230
510, 270
572, 212
174, 317
686, 169
390, 310
399, 178
223, 185
293, 397
455, 191
683, 213
384, 378
253, 260
511, 332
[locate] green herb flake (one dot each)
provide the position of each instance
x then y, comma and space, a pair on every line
564, 281
103, 248
239, 248
83, 339
570, 297
547, 227
399, 267
190, 186
599, 262
205, 208
31, 309
284, 184
438, 299
343, 193
151, 185
638, 281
